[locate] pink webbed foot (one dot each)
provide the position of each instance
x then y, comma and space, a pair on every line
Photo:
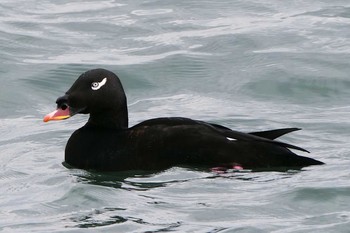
221, 170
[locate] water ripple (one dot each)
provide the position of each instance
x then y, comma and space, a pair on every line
249, 65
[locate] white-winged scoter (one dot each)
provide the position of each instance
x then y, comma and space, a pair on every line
106, 143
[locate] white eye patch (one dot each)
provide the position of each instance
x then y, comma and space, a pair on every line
97, 85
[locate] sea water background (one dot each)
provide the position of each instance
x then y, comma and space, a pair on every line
247, 64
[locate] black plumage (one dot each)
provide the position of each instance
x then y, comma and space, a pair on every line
106, 143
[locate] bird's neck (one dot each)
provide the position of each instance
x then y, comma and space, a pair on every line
111, 119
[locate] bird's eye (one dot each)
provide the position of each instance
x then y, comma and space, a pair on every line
94, 85
97, 85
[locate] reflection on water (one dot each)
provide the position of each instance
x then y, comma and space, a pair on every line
98, 218
149, 188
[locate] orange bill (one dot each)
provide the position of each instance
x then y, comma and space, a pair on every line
58, 114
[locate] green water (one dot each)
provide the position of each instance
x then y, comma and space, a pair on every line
249, 65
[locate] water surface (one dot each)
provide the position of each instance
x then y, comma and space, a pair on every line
249, 65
